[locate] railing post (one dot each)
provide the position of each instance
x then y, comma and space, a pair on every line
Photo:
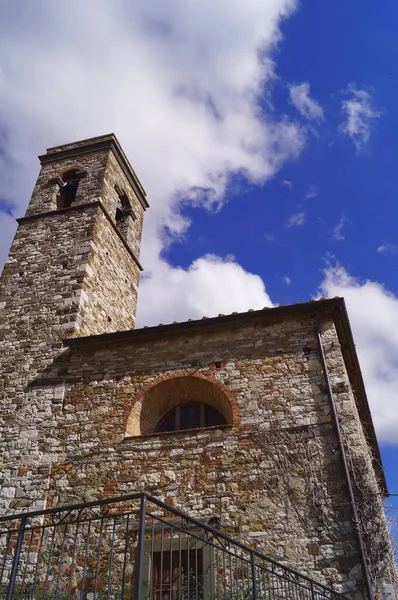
140, 550
312, 590
254, 579
15, 564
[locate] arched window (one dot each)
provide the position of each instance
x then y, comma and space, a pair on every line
190, 415
179, 403
123, 207
68, 183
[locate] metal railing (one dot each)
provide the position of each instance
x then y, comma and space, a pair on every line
137, 548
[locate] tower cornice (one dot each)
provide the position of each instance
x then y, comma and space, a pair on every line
95, 144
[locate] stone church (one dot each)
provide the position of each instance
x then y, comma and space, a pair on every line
259, 418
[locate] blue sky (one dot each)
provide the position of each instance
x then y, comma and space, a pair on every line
331, 48
266, 136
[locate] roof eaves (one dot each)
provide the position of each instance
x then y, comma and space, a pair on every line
176, 327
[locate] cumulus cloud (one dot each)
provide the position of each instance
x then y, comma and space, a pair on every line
210, 286
359, 116
387, 249
295, 220
269, 237
307, 107
373, 312
178, 82
312, 192
8, 227
337, 233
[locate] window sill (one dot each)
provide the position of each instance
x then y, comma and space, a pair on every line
178, 432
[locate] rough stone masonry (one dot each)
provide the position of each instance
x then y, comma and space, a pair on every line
83, 392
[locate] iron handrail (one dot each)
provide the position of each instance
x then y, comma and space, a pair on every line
147, 498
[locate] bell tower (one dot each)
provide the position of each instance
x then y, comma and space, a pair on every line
73, 270
73, 267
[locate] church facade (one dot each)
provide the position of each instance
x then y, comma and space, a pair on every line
259, 418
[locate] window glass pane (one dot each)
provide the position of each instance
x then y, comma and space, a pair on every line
168, 423
213, 417
190, 416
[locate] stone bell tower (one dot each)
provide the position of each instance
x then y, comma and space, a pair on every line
73, 267
73, 270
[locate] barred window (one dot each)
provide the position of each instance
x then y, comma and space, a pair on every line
177, 575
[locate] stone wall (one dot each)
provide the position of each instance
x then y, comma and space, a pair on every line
78, 415
40, 296
110, 287
131, 228
69, 272
273, 475
378, 544
46, 190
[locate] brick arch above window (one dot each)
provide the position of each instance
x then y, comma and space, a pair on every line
71, 173
162, 395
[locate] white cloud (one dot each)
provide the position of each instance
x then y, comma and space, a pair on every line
312, 192
300, 97
337, 233
269, 237
210, 286
359, 116
8, 227
387, 249
373, 312
178, 82
295, 220
287, 280
287, 183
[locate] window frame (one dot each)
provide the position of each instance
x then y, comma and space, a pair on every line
176, 411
